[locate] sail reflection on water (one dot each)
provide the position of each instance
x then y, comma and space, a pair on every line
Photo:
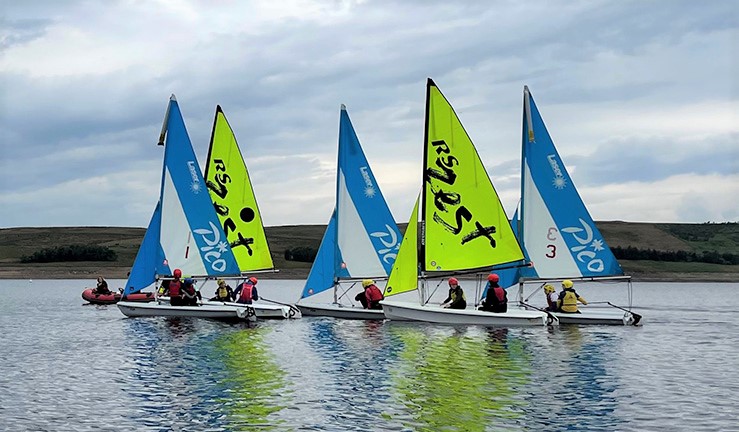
254, 386
463, 378
190, 373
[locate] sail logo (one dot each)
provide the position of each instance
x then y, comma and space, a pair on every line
559, 182
369, 191
195, 186
214, 248
443, 199
390, 246
584, 236
219, 186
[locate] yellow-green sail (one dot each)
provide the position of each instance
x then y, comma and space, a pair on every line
233, 197
465, 225
404, 275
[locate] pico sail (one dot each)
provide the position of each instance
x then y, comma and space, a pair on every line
464, 227
555, 228
184, 232
231, 191
361, 240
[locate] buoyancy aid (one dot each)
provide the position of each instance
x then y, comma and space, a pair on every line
500, 294
455, 294
222, 292
373, 293
174, 288
246, 293
568, 300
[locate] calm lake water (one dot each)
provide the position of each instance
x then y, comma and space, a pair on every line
68, 366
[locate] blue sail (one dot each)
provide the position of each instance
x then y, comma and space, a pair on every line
362, 239
557, 232
327, 265
150, 255
191, 234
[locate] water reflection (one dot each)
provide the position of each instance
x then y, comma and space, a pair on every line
254, 387
352, 387
201, 374
579, 389
457, 379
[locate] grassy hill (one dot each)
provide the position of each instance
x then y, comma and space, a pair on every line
17, 242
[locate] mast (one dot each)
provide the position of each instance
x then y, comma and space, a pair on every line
422, 209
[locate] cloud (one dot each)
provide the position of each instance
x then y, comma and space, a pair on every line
630, 93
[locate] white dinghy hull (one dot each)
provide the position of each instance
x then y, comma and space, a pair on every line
263, 311
413, 312
340, 311
266, 311
217, 312
595, 317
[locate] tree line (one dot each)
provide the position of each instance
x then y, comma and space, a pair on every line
712, 257
76, 252
301, 253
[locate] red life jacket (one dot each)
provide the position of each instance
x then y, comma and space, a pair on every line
245, 296
174, 288
373, 294
500, 294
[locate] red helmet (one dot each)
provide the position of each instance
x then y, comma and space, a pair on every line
492, 277
177, 273
253, 280
453, 281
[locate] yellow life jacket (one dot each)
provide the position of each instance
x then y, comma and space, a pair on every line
568, 303
454, 295
222, 291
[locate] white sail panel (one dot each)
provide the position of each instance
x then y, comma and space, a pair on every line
354, 241
179, 247
543, 241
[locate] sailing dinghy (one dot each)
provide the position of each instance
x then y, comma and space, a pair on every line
556, 230
184, 232
231, 191
361, 240
464, 227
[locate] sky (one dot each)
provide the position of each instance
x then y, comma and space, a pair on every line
640, 97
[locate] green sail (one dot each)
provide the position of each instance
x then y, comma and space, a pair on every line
465, 225
233, 197
404, 275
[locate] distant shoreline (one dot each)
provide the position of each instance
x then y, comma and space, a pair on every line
91, 271
124, 241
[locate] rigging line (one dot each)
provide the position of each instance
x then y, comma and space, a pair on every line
551, 317
433, 292
280, 303
637, 317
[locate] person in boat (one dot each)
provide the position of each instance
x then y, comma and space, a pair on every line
496, 299
552, 298
163, 288
246, 292
190, 295
371, 296
456, 298
224, 292
568, 298
173, 288
102, 287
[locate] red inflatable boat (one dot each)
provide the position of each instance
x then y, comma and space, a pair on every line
113, 298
